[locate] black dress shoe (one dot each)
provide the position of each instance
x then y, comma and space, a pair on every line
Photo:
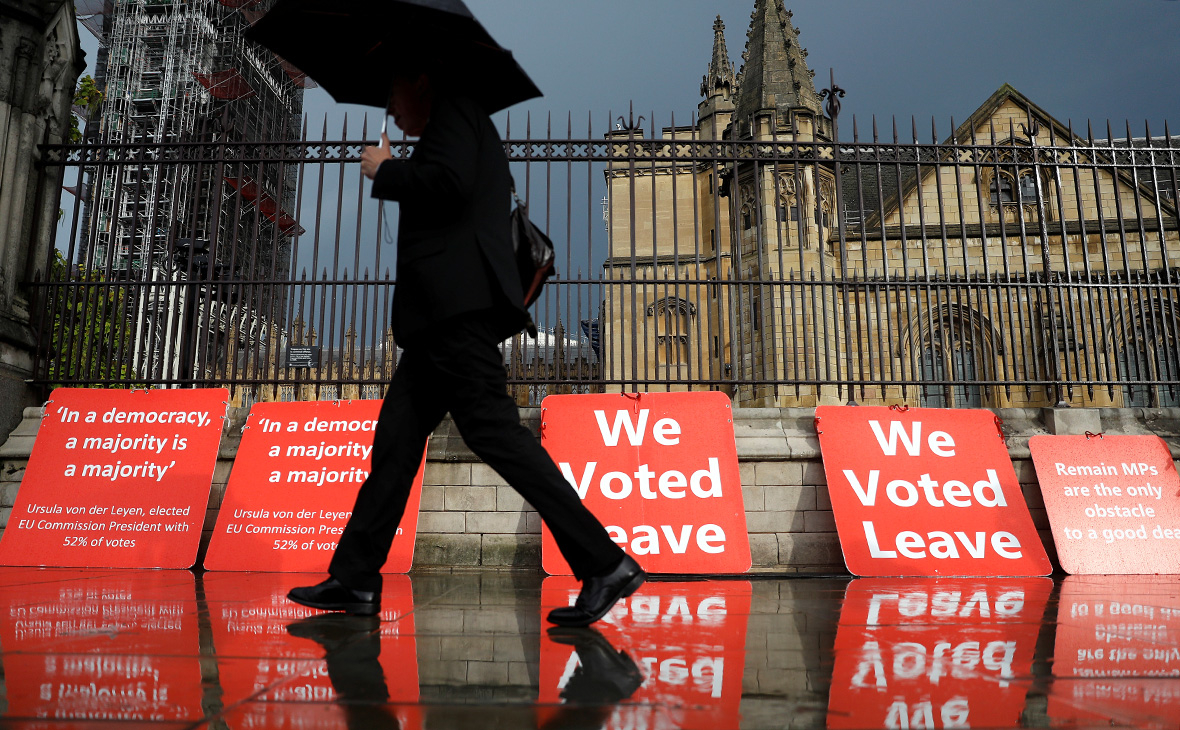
332, 595
600, 593
334, 630
604, 675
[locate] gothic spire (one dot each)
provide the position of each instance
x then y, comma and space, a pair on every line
720, 79
774, 73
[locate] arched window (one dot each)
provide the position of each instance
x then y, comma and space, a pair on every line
1005, 186
964, 393
673, 329
951, 349
1009, 176
1149, 351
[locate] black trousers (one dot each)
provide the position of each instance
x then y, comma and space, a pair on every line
460, 370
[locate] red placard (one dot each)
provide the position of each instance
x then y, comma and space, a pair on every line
688, 640
935, 652
294, 485
257, 653
1118, 643
118, 479
112, 646
926, 491
659, 470
1113, 502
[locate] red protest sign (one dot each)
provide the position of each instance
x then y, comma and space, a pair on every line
118, 479
1113, 502
926, 491
935, 652
87, 646
265, 658
660, 472
293, 486
1116, 644
687, 639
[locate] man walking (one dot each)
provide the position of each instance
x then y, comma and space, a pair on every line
457, 297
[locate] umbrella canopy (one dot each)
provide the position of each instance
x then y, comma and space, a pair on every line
353, 48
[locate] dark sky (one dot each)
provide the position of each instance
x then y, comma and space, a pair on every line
1078, 59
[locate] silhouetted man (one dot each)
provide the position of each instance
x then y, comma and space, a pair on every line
458, 296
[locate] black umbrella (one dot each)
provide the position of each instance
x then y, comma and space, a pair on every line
353, 48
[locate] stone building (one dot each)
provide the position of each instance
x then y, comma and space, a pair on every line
1013, 263
40, 59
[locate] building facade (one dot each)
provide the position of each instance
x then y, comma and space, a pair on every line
1015, 262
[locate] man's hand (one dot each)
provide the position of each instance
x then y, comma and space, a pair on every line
372, 157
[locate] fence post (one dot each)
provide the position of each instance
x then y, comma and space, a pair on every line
1047, 276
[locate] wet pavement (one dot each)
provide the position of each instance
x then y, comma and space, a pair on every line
170, 649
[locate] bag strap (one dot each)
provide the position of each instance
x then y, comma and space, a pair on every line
519, 203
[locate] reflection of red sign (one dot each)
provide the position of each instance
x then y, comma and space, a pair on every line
926, 491
659, 470
293, 487
1113, 502
111, 646
117, 478
688, 639
935, 652
1118, 643
250, 613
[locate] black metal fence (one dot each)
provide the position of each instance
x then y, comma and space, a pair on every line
1022, 265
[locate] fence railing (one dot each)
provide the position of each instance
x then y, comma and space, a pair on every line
1004, 268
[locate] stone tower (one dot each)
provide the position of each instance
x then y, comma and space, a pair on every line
718, 88
775, 77
783, 215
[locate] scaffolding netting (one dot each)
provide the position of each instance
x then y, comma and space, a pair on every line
94, 24
297, 77
89, 7
227, 85
266, 205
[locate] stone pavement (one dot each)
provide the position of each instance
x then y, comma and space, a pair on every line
174, 649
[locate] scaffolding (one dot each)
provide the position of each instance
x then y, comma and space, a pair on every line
179, 71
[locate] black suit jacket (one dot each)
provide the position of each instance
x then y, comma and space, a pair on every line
454, 247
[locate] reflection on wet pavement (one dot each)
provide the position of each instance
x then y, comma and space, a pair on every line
164, 649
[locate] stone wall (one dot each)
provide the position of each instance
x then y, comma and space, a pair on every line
470, 517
